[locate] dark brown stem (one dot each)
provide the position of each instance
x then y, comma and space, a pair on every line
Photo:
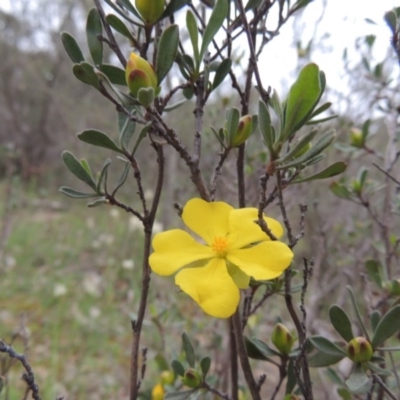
217, 171
244, 360
233, 361
135, 382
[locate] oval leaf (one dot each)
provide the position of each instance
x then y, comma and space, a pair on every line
173, 6
357, 379
303, 97
98, 138
114, 74
77, 169
205, 364
76, 194
193, 29
72, 48
167, 51
325, 346
188, 349
215, 22
387, 326
94, 29
333, 170
121, 28
341, 322
221, 72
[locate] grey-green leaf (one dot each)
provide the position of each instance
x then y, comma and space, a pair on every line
357, 379
121, 28
193, 29
122, 178
173, 6
99, 139
215, 22
188, 349
73, 164
114, 74
85, 73
341, 322
387, 326
178, 368
264, 120
167, 51
94, 29
72, 48
103, 174
76, 194
258, 350
205, 364
375, 318
333, 170
221, 72
325, 346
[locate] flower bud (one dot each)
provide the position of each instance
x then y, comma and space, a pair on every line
139, 74
356, 137
167, 377
359, 350
244, 130
392, 287
192, 378
158, 392
150, 10
282, 338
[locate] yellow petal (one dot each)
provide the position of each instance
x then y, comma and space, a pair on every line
207, 220
242, 222
266, 260
174, 249
211, 287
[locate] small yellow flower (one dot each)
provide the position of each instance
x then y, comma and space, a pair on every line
158, 392
139, 74
235, 250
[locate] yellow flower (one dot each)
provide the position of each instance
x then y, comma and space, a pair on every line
158, 392
235, 249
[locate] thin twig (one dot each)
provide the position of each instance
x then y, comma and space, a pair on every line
29, 376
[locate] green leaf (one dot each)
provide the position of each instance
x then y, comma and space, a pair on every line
387, 326
357, 312
126, 129
103, 174
291, 378
77, 169
193, 30
221, 72
179, 395
374, 271
391, 20
188, 349
375, 318
358, 378
341, 322
258, 350
98, 138
276, 105
175, 105
380, 371
122, 178
85, 73
215, 22
334, 376
267, 132
325, 346
141, 136
72, 48
122, 12
344, 394
340, 190
333, 170
178, 368
94, 29
252, 4
298, 148
98, 202
320, 109
128, 5
172, 7
320, 360
167, 51
205, 364
324, 141
121, 28
232, 123
365, 129
146, 96
76, 194
162, 363
114, 74
303, 97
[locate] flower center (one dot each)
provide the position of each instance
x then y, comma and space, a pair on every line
219, 245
